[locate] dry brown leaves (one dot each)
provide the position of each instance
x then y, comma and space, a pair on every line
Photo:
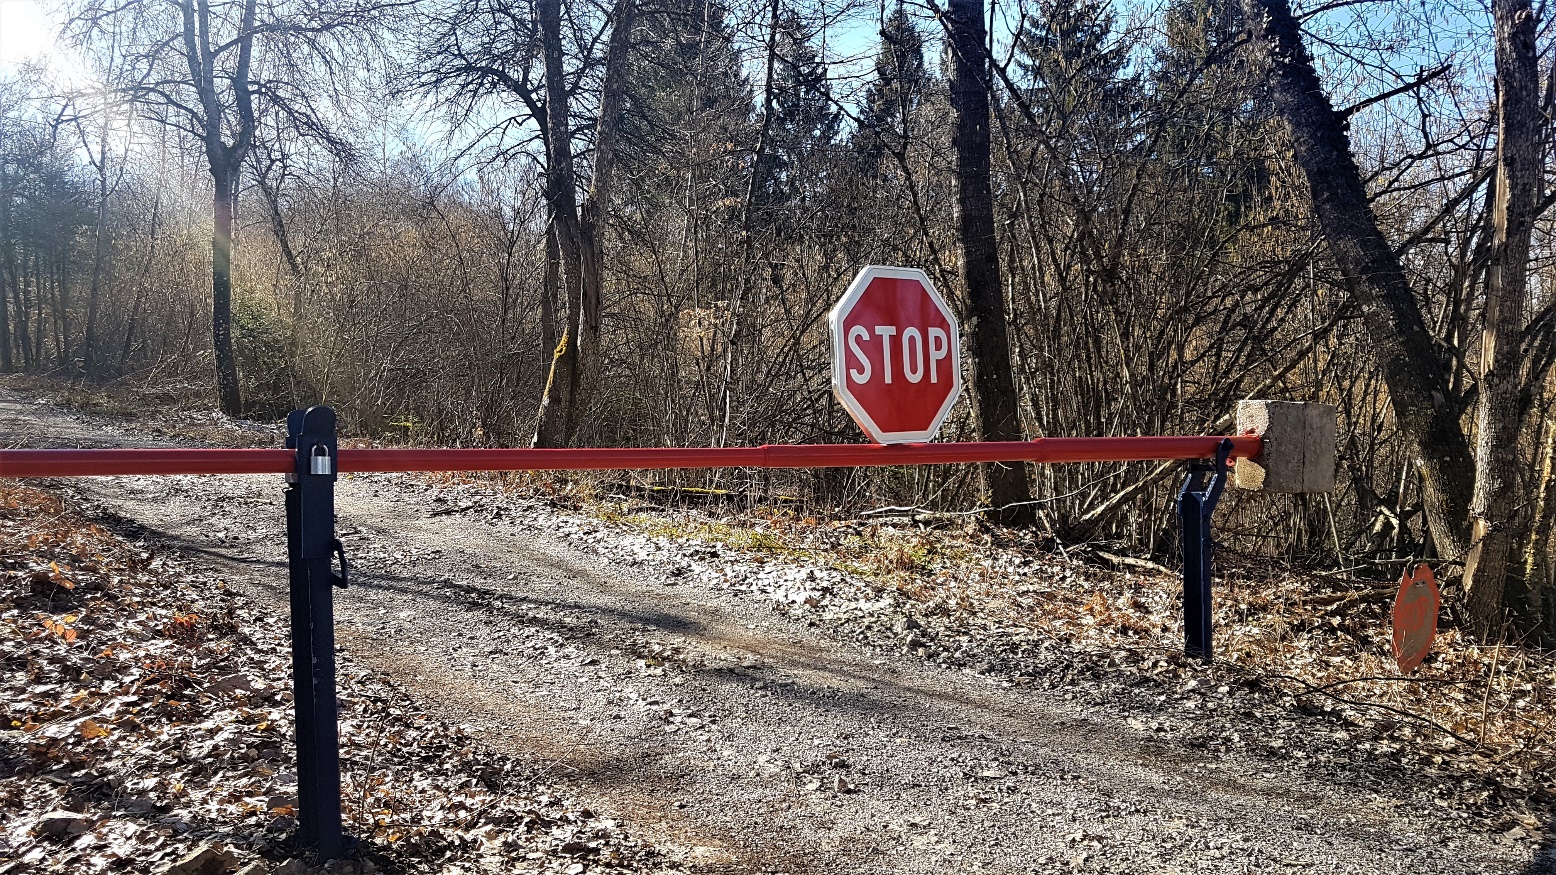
148, 718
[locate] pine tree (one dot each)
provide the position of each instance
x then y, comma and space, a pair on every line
892, 98
804, 126
1215, 108
689, 109
1077, 81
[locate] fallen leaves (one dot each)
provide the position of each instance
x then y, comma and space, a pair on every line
59, 629
184, 629
59, 576
206, 860
63, 824
166, 746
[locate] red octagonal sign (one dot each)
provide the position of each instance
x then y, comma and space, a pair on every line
896, 355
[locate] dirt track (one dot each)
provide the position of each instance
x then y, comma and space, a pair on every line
743, 741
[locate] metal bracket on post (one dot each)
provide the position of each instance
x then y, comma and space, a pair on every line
1196, 503
311, 545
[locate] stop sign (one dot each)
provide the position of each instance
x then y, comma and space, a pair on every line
896, 355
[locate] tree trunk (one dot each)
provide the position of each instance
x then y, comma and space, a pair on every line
7, 270
1538, 584
19, 298
127, 348
550, 284
90, 354
284, 242
557, 404
613, 90
1415, 374
40, 320
7, 364
62, 346
575, 365
225, 163
1518, 184
283, 237
740, 348
994, 389
221, 296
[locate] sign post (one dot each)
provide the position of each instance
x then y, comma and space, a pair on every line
896, 355
1196, 504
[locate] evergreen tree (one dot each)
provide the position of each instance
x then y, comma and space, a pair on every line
1214, 108
688, 108
804, 126
688, 136
1077, 79
892, 98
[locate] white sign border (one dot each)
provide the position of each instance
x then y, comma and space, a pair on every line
840, 362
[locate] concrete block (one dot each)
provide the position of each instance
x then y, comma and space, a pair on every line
1299, 446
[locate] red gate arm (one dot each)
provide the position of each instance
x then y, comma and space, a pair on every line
1111, 449
95, 462
87, 463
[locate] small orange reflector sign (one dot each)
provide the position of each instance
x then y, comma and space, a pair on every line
1415, 617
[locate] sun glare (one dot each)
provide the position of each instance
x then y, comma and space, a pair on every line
24, 32
27, 35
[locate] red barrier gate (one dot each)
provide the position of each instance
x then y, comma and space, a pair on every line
90, 463
312, 461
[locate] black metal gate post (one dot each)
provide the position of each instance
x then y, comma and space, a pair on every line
310, 545
1196, 503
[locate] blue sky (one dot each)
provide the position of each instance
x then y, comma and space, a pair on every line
1454, 29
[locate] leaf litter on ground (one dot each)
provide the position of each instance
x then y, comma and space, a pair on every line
148, 727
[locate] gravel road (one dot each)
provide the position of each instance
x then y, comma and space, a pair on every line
740, 740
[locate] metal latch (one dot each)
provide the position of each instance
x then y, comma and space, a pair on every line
340, 553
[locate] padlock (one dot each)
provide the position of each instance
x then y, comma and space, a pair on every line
321, 460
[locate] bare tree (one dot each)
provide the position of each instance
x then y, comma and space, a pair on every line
210, 70
1520, 130
93, 125
575, 366
994, 387
1146, 248
1402, 345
